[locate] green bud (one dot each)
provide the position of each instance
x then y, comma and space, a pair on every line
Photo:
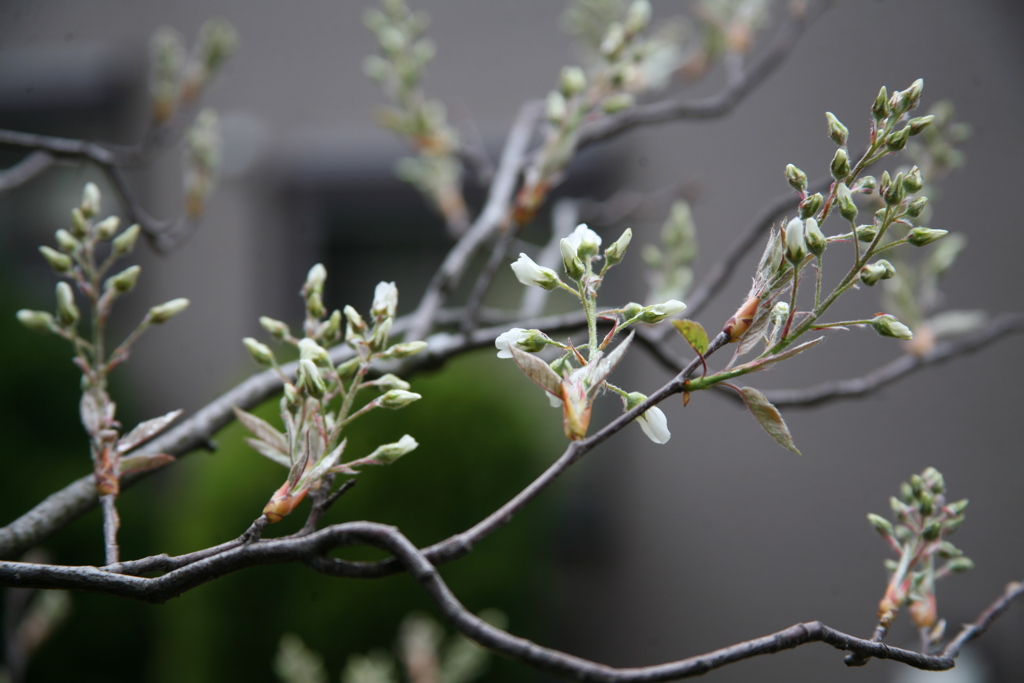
638, 16
888, 326
906, 492
125, 242
847, 207
355, 321
796, 178
308, 378
613, 104
315, 304
912, 95
405, 349
810, 205
895, 193
932, 531
658, 312
632, 310
913, 181
348, 369
922, 236
958, 507
90, 205
124, 281
166, 311
840, 166
389, 382
836, 130
67, 311
390, 452
934, 480
614, 253
881, 525
310, 350
947, 550
572, 81
61, 263
614, 40
315, 280
951, 525
397, 398
897, 139
873, 272
66, 241
37, 321
915, 207
572, 263
880, 109
291, 394
959, 565
330, 330
381, 332
916, 484
780, 313
926, 503
814, 238
261, 353
107, 228
920, 123
865, 184
276, 328
79, 223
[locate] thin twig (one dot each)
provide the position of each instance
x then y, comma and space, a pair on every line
25, 170
485, 278
111, 523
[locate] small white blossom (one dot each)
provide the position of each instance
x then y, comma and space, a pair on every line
529, 273
584, 240
658, 312
507, 339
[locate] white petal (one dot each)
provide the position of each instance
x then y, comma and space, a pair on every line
506, 339
655, 425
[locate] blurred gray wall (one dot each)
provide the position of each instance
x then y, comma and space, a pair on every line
720, 535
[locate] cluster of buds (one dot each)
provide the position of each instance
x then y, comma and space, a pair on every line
202, 158
924, 520
319, 402
85, 254
574, 387
176, 79
670, 262
404, 55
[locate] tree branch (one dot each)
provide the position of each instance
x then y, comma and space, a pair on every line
25, 170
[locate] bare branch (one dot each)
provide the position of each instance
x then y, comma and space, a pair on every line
25, 170
681, 108
312, 550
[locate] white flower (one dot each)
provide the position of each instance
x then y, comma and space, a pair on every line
508, 339
529, 273
390, 452
655, 425
385, 300
658, 312
796, 248
585, 241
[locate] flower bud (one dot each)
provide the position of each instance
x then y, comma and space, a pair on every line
556, 108
125, 242
913, 181
124, 281
397, 398
957, 507
796, 178
960, 564
897, 139
61, 263
37, 321
315, 280
261, 353
796, 247
873, 272
865, 184
67, 311
308, 378
276, 328
847, 207
632, 310
621, 101
291, 395
330, 329
814, 238
79, 223
881, 525
613, 41
915, 207
810, 205
315, 304
912, 95
888, 326
166, 311
637, 16
614, 253
867, 233
880, 109
405, 349
836, 130
586, 242
90, 205
348, 369
932, 531
922, 236
381, 332
920, 123
310, 350
840, 165
658, 312
107, 228
529, 273
356, 325
390, 452
389, 382
895, 193
572, 81
66, 241
779, 314
385, 300
570, 261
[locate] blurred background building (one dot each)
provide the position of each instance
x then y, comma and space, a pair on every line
643, 554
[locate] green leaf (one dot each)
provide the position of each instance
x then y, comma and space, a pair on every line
769, 417
694, 334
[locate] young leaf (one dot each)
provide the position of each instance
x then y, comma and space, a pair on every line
262, 429
768, 416
600, 368
268, 451
755, 333
537, 370
144, 431
762, 363
694, 334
